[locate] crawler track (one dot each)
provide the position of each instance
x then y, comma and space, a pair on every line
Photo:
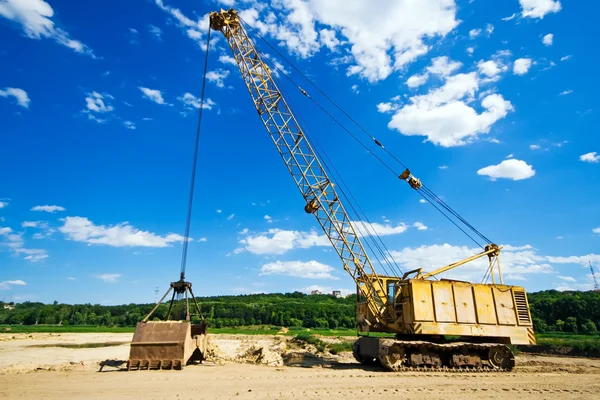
398, 355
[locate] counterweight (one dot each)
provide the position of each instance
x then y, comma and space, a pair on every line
299, 156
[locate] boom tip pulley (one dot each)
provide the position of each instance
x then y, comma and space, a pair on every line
414, 182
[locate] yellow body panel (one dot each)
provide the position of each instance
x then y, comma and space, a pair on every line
499, 313
422, 302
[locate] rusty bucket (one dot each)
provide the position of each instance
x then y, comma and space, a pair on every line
167, 345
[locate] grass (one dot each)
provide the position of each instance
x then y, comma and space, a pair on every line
563, 341
337, 348
245, 330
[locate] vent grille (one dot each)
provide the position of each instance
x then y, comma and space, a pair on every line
522, 309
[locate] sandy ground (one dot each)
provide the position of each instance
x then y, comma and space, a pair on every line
31, 367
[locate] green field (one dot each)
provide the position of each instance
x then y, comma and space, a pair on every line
569, 343
245, 330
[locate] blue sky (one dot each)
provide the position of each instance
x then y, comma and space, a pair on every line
493, 106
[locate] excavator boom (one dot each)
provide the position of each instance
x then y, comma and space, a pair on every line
300, 159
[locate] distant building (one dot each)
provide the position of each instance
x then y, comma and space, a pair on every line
337, 293
316, 292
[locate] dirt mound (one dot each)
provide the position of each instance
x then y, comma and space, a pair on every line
63, 367
9, 337
214, 352
262, 355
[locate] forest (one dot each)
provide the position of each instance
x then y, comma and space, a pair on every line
552, 311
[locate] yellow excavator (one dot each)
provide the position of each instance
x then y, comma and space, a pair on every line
439, 324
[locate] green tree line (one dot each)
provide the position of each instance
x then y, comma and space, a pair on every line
552, 311
289, 309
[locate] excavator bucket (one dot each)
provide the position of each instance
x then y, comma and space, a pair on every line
167, 345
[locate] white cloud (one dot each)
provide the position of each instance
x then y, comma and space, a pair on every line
328, 39
109, 278
47, 208
34, 17
566, 92
225, 59
417, 80
547, 39
470, 50
420, 226
219, 211
443, 66
299, 269
129, 125
443, 167
19, 94
443, 116
473, 33
70, 278
81, 229
521, 66
386, 107
194, 29
378, 46
367, 229
566, 278
489, 68
508, 169
355, 88
5, 285
34, 224
565, 58
189, 100
230, 217
14, 242
422, 201
580, 260
153, 95
3, 204
596, 230
539, 8
155, 31
98, 103
277, 241
515, 277
268, 218
534, 147
202, 240
217, 77
516, 261
226, 2
489, 29
592, 157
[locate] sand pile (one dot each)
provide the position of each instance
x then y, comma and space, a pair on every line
62, 367
262, 355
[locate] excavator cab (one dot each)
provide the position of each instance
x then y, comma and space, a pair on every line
169, 344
